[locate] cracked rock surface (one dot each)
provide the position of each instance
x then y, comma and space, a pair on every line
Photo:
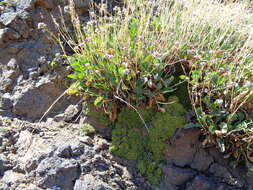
29, 83
192, 166
49, 156
53, 155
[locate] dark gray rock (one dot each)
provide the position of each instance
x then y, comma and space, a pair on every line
97, 163
91, 183
78, 148
202, 160
5, 164
5, 102
6, 113
226, 187
177, 176
29, 55
220, 171
28, 52
59, 172
201, 182
224, 174
64, 151
218, 156
88, 154
167, 186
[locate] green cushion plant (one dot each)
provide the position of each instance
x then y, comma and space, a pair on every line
147, 149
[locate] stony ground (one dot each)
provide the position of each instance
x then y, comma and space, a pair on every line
54, 155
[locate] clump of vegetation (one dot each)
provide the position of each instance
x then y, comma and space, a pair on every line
164, 126
98, 114
148, 149
126, 142
116, 62
220, 78
129, 117
129, 58
87, 129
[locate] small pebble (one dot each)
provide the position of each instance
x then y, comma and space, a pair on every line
85, 139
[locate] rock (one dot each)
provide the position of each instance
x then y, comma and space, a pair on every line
33, 75
5, 164
207, 184
64, 151
77, 148
221, 172
70, 149
201, 182
56, 171
177, 176
5, 102
90, 182
100, 163
225, 187
24, 58
14, 47
12, 179
7, 114
12, 64
183, 146
202, 160
7, 35
101, 144
68, 114
31, 151
24, 141
86, 139
8, 17
218, 156
33, 102
88, 154
167, 187
10, 77
25, 4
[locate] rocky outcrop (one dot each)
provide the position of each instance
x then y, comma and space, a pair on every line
32, 72
54, 156
193, 166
